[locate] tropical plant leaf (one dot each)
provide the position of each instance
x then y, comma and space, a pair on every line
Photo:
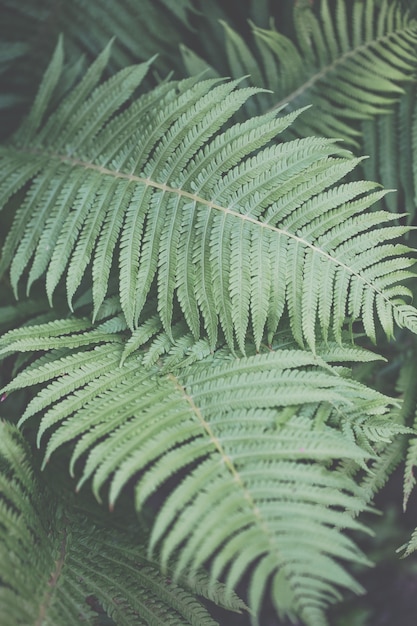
222, 277
348, 60
257, 436
232, 229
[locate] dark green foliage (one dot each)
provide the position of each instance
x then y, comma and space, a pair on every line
57, 565
200, 279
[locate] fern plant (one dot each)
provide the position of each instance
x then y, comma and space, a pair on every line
57, 566
195, 286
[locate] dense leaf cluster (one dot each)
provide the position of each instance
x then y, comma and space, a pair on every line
193, 275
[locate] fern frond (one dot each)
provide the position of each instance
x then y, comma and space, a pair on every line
219, 274
389, 458
258, 436
87, 29
411, 546
390, 135
233, 230
406, 385
349, 62
54, 561
57, 334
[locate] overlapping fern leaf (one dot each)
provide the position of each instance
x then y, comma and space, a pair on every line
141, 28
355, 62
348, 60
231, 229
392, 135
245, 445
38, 24
59, 568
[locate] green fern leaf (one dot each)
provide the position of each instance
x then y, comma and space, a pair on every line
411, 546
259, 433
200, 212
54, 561
390, 135
350, 67
200, 259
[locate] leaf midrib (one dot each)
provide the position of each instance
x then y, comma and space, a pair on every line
53, 581
73, 162
227, 462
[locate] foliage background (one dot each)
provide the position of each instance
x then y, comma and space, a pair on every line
190, 37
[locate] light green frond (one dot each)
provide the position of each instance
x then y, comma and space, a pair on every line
258, 506
231, 228
54, 560
259, 433
71, 333
201, 265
